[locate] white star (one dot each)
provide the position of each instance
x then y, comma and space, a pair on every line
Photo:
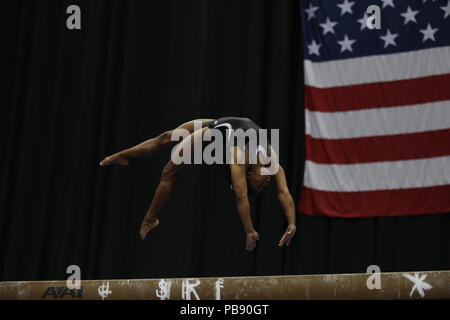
314, 47
419, 284
346, 7
310, 11
328, 26
409, 15
446, 9
388, 3
363, 21
389, 38
428, 33
346, 44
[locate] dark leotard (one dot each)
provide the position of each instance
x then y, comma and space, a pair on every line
229, 125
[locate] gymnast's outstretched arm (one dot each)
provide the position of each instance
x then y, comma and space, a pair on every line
239, 181
285, 198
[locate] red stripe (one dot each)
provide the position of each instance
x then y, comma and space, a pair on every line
366, 204
379, 94
379, 148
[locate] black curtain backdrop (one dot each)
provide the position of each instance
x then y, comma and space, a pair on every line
135, 69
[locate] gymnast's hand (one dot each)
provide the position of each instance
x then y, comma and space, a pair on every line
251, 240
286, 238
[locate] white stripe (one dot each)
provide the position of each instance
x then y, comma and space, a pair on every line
263, 151
378, 175
378, 122
228, 126
378, 68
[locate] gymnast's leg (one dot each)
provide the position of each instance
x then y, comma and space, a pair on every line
166, 184
149, 147
163, 192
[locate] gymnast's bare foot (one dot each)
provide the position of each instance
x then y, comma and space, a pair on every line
115, 158
148, 225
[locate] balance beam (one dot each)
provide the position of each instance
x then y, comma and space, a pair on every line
396, 285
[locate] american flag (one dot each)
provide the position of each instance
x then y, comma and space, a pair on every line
377, 108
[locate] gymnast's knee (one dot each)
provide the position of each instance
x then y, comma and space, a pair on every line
170, 172
165, 137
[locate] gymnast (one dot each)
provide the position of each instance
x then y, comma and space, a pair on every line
250, 166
